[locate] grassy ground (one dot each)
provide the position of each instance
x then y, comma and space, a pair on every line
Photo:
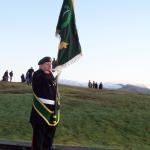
88, 117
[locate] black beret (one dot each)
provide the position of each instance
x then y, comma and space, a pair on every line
44, 60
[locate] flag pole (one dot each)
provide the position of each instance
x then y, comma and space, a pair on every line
57, 97
66, 29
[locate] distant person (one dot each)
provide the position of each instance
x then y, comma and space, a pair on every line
27, 78
93, 85
5, 76
29, 75
101, 86
96, 85
54, 63
90, 84
11, 75
23, 78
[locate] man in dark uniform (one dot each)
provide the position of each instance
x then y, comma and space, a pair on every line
45, 114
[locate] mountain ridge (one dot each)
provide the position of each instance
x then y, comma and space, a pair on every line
109, 85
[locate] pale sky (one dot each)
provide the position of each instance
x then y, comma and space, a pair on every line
114, 35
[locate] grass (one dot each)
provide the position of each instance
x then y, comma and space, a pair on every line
7, 87
88, 117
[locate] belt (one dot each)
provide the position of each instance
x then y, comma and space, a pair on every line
47, 101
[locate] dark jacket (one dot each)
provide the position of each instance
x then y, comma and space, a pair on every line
11, 74
43, 86
30, 72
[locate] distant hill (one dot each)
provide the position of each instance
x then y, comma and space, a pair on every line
133, 88
109, 86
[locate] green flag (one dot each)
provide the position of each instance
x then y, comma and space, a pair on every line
69, 47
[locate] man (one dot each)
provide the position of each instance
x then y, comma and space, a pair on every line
11, 75
5, 76
54, 63
29, 75
101, 86
45, 114
89, 84
96, 85
23, 78
93, 85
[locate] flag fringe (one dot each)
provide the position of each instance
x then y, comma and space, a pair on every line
60, 67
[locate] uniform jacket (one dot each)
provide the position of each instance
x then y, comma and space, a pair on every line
43, 86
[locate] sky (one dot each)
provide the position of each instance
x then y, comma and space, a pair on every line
114, 36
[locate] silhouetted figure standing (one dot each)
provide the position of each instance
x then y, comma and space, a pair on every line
96, 85
23, 78
90, 84
11, 75
93, 85
54, 63
29, 75
101, 86
27, 78
5, 76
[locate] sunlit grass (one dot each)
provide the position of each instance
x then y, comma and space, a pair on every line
88, 117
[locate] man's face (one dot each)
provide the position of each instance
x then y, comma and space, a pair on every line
46, 66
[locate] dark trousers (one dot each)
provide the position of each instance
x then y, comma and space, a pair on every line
42, 137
